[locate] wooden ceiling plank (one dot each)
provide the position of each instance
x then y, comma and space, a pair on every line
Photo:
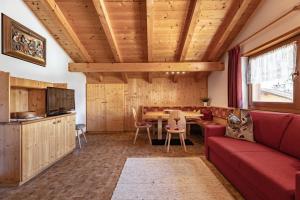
149, 13
51, 16
52, 5
190, 25
147, 67
107, 27
221, 42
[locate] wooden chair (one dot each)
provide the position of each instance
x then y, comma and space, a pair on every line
80, 127
141, 125
176, 125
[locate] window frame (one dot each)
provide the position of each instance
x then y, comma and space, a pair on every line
293, 107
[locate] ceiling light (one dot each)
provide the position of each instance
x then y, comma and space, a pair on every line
167, 73
172, 72
177, 72
183, 72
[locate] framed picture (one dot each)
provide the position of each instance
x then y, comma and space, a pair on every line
20, 42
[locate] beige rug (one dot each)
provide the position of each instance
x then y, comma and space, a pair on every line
168, 178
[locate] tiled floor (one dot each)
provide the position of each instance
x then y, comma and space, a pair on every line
93, 172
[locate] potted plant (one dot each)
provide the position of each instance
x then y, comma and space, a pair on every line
205, 101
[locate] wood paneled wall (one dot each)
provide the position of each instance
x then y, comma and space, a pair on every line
137, 93
18, 100
24, 99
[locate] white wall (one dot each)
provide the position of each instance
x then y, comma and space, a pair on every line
56, 69
266, 12
217, 86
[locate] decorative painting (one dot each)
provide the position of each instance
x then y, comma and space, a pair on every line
20, 42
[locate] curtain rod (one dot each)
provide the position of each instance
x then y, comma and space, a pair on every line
295, 8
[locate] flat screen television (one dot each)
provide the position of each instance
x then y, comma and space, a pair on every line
59, 101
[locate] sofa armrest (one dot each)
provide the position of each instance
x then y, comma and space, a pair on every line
212, 130
297, 195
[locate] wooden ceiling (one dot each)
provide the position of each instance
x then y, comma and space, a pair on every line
139, 31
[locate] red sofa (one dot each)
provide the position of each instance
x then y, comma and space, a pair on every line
268, 169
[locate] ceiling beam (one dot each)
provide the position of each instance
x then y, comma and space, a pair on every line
147, 67
230, 28
97, 76
50, 9
189, 28
124, 77
149, 11
150, 77
107, 27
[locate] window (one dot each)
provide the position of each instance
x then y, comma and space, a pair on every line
271, 77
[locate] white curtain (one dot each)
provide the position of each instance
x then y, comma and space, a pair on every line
277, 64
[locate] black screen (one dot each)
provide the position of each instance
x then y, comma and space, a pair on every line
60, 101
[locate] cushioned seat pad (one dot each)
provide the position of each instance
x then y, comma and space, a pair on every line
272, 172
227, 147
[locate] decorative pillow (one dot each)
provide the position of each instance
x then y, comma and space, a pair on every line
241, 129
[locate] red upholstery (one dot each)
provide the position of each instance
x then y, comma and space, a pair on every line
239, 181
259, 170
290, 142
212, 130
298, 186
230, 147
143, 124
269, 127
272, 172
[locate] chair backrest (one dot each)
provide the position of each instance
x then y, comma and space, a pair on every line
134, 115
179, 116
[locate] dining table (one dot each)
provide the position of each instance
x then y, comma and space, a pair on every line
160, 116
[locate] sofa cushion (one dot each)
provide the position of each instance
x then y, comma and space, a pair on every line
272, 172
290, 142
268, 127
228, 147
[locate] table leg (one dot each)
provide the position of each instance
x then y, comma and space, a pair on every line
159, 128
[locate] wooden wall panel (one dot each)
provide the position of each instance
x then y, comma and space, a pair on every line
10, 153
138, 92
4, 97
162, 92
37, 101
18, 100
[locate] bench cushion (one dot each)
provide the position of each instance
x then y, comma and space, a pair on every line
269, 127
272, 172
290, 142
228, 147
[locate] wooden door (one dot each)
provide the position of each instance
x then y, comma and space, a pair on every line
105, 107
30, 150
52, 140
70, 133
44, 133
114, 94
59, 137
96, 107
